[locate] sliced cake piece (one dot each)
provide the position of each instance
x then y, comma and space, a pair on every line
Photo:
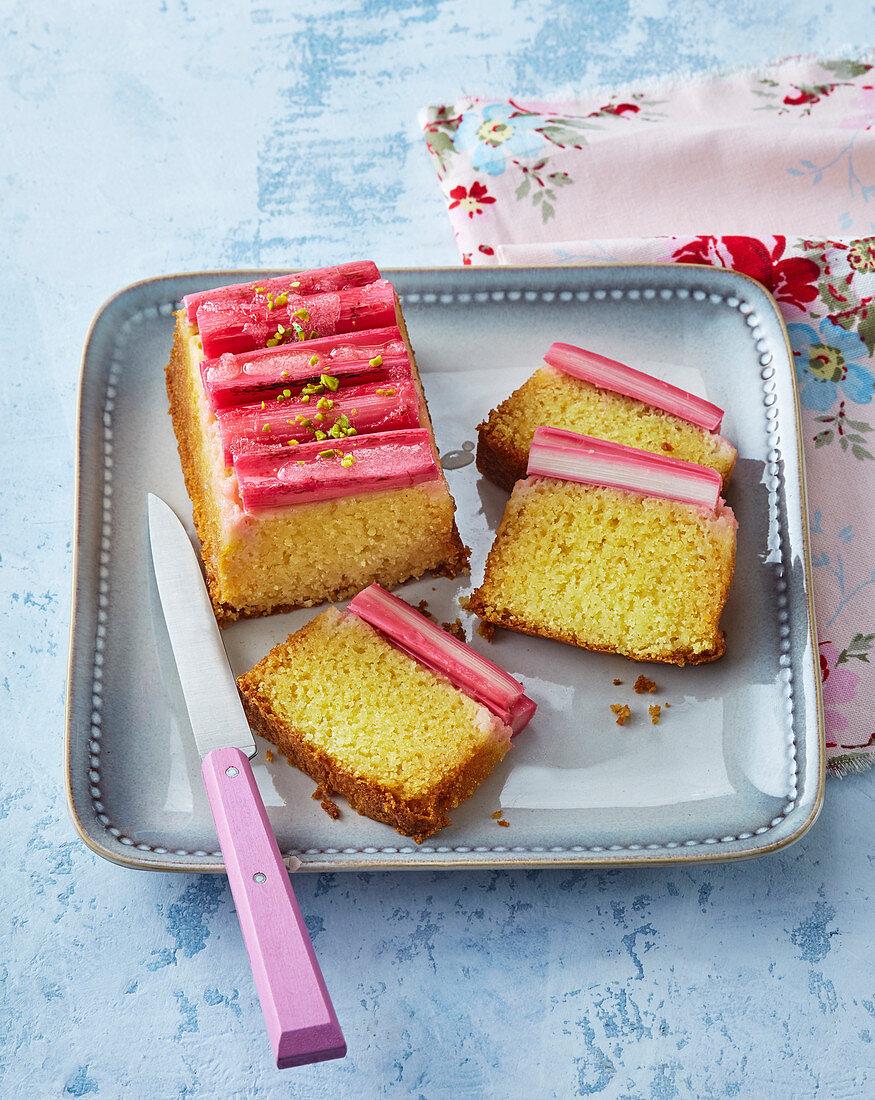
593, 395
612, 548
379, 705
278, 532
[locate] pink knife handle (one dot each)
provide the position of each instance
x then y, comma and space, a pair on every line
300, 1018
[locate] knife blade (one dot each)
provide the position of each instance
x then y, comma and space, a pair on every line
300, 1018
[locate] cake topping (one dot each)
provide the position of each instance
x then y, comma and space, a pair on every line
269, 478
318, 280
232, 379
235, 325
558, 453
608, 374
352, 411
423, 640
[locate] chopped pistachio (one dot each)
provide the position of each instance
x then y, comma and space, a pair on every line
377, 361
314, 359
329, 382
302, 313
347, 460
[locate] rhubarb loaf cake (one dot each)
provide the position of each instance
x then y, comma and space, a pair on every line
381, 706
593, 395
612, 548
305, 442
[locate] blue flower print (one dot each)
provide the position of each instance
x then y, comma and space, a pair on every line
497, 135
829, 363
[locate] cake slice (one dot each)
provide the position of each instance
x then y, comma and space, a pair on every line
588, 393
276, 531
612, 548
380, 705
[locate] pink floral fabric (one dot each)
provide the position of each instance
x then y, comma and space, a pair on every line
778, 167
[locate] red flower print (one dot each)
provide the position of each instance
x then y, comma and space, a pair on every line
790, 280
618, 109
472, 200
803, 97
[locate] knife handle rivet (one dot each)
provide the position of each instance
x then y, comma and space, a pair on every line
232, 772
259, 877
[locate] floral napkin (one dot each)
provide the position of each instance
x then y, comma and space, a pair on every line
778, 168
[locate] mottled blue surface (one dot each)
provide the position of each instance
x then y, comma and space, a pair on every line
146, 138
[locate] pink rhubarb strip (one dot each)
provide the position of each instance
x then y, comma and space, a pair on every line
423, 640
351, 358
241, 326
354, 410
318, 280
558, 453
314, 472
608, 374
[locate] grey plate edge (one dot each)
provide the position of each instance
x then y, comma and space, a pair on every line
184, 864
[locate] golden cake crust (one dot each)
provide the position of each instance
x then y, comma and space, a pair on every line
504, 618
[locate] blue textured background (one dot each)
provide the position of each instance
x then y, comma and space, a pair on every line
150, 137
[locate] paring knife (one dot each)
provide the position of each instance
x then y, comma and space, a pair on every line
300, 1018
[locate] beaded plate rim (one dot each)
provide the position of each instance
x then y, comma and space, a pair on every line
110, 841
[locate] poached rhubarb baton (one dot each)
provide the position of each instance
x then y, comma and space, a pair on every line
314, 472
240, 326
609, 374
354, 410
318, 280
433, 647
582, 458
351, 359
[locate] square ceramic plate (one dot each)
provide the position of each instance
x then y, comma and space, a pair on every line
735, 767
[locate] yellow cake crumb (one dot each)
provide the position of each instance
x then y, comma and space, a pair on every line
610, 570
